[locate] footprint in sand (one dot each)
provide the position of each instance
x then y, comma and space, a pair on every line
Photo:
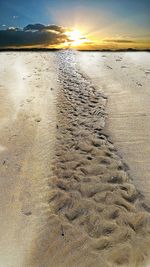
139, 84
123, 67
26, 212
38, 119
108, 67
29, 99
147, 72
118, 58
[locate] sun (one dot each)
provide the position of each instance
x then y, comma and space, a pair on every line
75, 37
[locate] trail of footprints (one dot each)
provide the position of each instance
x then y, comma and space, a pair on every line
91, 187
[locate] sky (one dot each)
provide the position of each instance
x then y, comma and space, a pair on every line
85, 24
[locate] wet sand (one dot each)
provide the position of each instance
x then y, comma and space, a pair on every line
70, 198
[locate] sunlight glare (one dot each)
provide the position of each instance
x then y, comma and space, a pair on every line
75, 37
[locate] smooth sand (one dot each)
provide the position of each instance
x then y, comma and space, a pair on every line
67, 199
27, 132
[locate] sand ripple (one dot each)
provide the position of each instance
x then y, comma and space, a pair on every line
97, 218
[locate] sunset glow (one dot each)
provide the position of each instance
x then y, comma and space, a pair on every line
90, 25
76, 37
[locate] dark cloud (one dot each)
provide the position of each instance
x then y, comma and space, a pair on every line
33, 35
41, 27
118, 41
31, 27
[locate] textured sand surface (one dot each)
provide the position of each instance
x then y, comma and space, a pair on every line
125, 79
72, 199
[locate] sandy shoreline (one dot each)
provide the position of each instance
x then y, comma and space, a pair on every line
80, 206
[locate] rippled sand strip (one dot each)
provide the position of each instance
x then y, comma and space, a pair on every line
97, 218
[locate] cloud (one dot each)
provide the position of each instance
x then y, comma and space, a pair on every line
13, 29
33, 35
41, 27
118, 41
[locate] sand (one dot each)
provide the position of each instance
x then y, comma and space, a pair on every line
125, 79
71, 197
27, 133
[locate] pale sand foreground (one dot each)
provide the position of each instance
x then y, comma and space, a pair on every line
27, 131
66, 197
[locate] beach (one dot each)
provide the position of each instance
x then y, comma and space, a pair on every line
28, 118
125, 78
74, 167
